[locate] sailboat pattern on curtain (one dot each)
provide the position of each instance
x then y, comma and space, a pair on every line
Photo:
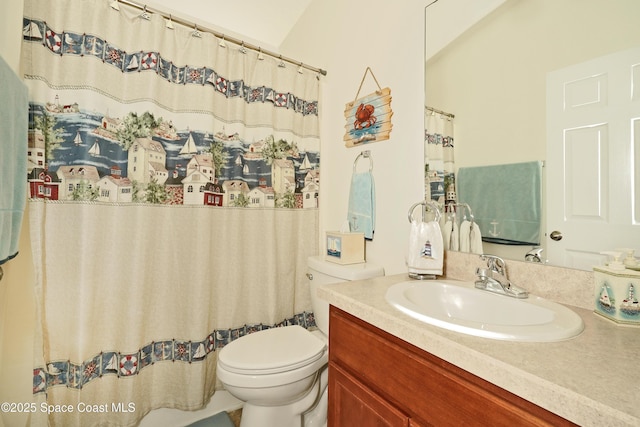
77, 375
80, 152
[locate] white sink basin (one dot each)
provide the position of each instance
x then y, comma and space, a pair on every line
460, 307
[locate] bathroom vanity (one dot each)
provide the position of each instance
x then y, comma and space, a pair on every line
387, 368
376, 378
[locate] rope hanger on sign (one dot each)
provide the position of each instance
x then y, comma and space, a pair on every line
368, 70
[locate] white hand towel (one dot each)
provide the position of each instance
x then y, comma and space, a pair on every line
426, 248
446, 231
454, 244
475, 240
465, 235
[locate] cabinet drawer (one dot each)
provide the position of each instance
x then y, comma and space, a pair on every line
428, 389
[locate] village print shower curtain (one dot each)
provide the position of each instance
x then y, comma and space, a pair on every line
439, 159
173, 202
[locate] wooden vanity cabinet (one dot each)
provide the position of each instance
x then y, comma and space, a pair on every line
377, 379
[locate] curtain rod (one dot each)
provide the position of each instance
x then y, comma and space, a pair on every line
435, 110
171, 18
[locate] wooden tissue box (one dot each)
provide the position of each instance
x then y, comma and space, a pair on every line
345, 248
615, 295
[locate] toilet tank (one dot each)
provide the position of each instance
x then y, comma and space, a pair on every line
321, 272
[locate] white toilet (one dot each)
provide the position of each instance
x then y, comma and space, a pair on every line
281, 373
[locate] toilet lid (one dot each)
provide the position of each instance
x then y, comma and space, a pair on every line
271, 351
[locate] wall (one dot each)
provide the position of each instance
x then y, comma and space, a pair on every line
345, 38
446, 20
17, 308
493, 78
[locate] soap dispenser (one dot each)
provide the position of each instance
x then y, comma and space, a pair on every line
615, 291
630, 261
614, 264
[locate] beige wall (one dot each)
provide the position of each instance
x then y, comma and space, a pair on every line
345, 38
10, 32
493, 78
17, 310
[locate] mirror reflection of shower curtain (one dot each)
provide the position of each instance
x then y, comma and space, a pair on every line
439, 159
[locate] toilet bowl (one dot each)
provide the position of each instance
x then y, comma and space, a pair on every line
280, 373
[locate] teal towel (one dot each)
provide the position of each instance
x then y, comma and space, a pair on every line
506, 201
14, 114
362, 204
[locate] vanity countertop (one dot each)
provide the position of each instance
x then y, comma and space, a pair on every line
590, 379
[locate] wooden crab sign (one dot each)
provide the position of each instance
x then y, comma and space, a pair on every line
368, 118
365, 117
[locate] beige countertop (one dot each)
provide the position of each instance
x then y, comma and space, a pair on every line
591, 380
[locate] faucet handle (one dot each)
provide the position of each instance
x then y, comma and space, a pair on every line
495, 263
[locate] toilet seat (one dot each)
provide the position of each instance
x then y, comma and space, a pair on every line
272, 351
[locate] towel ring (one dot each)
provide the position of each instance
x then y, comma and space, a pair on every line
468, 209
367, 155
425, 203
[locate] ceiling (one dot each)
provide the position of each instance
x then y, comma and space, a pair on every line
447, 20
261, 22
267, 23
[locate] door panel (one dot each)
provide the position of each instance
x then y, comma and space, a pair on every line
593, 144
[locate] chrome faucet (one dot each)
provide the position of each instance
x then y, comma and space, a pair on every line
534, 255
494, 278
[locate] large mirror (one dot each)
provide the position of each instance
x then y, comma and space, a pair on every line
487, 63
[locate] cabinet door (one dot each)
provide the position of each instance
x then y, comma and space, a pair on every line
353, 404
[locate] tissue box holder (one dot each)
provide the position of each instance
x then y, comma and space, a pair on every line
615, 295
345, 248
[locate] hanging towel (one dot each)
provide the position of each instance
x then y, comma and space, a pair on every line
447, 230
451, 234
426, 248
362, 204
14, 110
506, 201
475, 239
465, 236
454, 242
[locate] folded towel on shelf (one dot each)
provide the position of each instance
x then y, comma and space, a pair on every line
14, 111
426, 248
506, 201
362, 204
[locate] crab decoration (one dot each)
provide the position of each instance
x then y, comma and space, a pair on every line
364, 117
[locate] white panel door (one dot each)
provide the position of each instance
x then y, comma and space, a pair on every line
593, 153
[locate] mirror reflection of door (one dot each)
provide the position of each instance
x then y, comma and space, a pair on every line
593, 158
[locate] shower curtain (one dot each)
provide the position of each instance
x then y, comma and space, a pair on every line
439, 161
173, 187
